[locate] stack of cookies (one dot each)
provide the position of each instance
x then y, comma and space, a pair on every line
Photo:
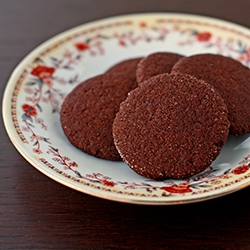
165, 115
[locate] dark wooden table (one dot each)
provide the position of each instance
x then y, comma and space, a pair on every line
38, 213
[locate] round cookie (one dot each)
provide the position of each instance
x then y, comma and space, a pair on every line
127, 67
171, 126
87, 113
230, 78
155, 64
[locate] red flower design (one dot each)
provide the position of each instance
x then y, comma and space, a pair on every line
240, 169
203, 36
29, 110
37, 150
107, 183
73, 164
122, 43
42, 72
82, 46
178, 189
143, 24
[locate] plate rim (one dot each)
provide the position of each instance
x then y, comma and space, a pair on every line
9, 88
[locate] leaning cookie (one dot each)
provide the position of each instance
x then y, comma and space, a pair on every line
88, 112
127, 67
155, 64
171, 126
230, 78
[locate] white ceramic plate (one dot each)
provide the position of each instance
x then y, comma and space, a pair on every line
39, 84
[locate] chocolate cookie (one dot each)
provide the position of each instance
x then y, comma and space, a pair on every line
155, 64
127, 67
171, 126
230, 78
88, 112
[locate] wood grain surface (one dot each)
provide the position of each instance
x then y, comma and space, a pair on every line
38, 213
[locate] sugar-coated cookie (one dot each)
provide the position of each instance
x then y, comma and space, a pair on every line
230, 78
171, 126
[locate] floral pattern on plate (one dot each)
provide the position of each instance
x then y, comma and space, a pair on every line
40, 83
